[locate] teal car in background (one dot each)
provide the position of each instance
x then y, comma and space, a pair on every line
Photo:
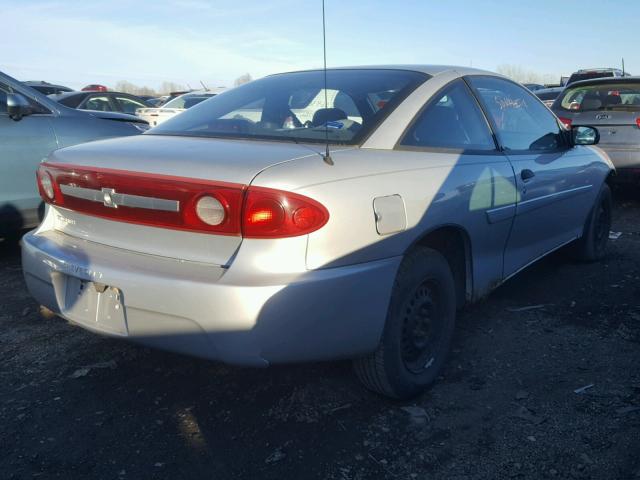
32, 126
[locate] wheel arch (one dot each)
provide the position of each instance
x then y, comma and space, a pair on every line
454, 243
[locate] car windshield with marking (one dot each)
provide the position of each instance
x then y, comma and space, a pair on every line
603, 96
296, 106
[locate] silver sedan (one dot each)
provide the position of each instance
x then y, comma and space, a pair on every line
294, 220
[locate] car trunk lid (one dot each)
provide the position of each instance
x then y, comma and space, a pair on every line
117, 192
618, 128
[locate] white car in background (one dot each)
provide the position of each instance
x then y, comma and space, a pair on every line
155, 116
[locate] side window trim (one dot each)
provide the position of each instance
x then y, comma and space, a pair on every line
435, 97
494, 128
485, 113
115, 104
83, 104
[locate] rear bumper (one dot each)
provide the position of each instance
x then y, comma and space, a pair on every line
199, 309
623, 158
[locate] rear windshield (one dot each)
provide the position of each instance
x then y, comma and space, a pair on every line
297, 106
609, 96
576, 77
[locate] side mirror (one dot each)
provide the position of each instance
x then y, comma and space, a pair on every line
18, 106
585, 135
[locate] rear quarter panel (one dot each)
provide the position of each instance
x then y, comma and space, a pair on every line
438, 189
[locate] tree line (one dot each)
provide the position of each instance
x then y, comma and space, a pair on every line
166, 87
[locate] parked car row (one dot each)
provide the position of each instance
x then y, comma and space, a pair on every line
155, 116
100, 98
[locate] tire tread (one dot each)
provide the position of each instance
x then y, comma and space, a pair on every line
370, 369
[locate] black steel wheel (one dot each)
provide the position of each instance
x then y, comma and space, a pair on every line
418, 330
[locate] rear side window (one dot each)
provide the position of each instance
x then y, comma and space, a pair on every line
128, 105
72, 101
451, 120
521, 121
98, 103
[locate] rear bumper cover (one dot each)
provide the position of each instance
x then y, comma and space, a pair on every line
623, 158
194, 308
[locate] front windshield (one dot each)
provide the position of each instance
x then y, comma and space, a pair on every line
292, 106
605, 96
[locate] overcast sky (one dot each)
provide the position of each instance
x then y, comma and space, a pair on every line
185, 41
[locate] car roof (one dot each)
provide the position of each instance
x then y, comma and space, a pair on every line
605, 80
600, 69
549, 90
88, 92
42, 82
428, 69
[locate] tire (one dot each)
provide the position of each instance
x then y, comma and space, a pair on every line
418, 329
12, 238
595, 238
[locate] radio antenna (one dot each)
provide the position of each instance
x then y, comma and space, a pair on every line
327, 156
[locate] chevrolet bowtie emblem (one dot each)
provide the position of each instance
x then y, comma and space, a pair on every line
107, 198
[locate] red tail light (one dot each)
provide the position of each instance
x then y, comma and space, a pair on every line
272, 213
638, 122
180, 203
566, 121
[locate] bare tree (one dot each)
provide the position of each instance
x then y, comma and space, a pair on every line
242, 79
519, 74
522, 75
128, 87
168, 87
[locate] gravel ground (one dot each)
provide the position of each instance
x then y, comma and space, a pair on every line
551, 391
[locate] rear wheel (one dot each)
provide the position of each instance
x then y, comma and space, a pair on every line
12, 237
418, 329
593, 244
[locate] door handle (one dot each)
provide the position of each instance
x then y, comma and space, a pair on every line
527, 174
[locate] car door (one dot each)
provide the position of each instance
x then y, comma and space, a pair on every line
474, 181
553, 185
23, 144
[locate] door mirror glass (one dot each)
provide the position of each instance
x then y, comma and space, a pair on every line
17, 106
585, 135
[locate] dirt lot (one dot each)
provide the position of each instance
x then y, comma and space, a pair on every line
546, 392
